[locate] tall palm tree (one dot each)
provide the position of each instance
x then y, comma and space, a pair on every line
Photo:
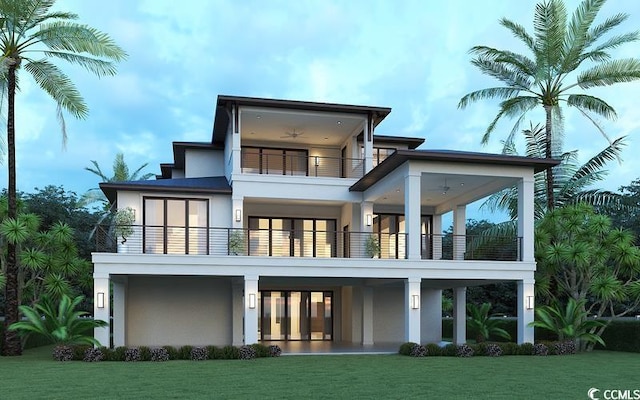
120, 174
31, 37
559, 48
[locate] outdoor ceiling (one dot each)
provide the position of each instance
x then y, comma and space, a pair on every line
310, 128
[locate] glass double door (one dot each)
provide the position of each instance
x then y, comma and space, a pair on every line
295, 315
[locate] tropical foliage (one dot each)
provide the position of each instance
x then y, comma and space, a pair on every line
570, 322
59, 324
483, 325
567, 57
31, 37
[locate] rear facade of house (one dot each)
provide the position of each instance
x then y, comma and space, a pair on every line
298, 222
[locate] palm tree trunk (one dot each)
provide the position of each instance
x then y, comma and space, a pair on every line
549, 154
12, 345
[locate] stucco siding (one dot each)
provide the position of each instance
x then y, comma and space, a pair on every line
388, 314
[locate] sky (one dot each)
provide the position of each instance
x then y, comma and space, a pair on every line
411, 56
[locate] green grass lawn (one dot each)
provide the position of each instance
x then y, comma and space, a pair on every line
36, 376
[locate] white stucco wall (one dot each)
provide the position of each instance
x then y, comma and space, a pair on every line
202, 163
388, 314
178, 311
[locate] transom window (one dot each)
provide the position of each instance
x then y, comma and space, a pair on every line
176, 226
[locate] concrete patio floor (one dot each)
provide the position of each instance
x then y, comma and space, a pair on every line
291, 348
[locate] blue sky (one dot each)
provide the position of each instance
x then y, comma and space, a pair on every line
407, 55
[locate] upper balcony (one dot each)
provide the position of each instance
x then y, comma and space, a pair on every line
303, 243
290, 162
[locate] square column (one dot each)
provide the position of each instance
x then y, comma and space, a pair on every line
412, 309
459, 232
120, 285
101, 308
526, 215
459, 315
412, 212
250, 309
237, 311
367, 315
525, 311
436, 229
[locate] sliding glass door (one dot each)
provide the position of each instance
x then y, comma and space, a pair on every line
295, 315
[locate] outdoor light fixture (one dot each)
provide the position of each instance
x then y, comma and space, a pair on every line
369, 219
238, 215
529, 302
100, 300
317, 161
415, 301
252, 300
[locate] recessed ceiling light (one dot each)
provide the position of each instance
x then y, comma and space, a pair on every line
339, 122
326, 138
258, 116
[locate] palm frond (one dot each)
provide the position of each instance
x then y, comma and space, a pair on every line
98, 67
593, 104
503, 72
488, 93
549, 22
576, 38
598, 31
519, 32
515, 106
608, 73
518, 62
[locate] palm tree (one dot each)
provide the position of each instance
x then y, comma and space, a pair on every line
27, 28
483, 325
551, 76
120, 174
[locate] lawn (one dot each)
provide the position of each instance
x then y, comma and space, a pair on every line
36, 376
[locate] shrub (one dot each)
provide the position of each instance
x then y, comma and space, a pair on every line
145, 353
172, 352
79, 352
540, 349
132, 354
230, 353
107, 353
62, 353
247, 353
184, 352
405, 348
199, 354
159, 354
480, 349
525, 349
563, 348
261, 350
464, 350
622, 336
493, 350
275, 350
509, 348
93, 355
433, 349
418, 350
119, 354
211, 352
450, 350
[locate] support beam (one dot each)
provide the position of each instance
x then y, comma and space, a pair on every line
120, 286
250, 309
412, 214
367, 315
460, 315
459, 232
412, 314
525, 313
101, 308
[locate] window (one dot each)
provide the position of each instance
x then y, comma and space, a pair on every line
292, 237
391, 231
272, 161
176, 226
379, 154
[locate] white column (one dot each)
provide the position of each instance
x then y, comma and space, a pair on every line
367, 315
459, 232
436, 228
250, 314
460, 315
101, 298
412, 315
368, 146
525, 315
526, 219
412, 215
120, 286
237, 312
236, 148
431, 315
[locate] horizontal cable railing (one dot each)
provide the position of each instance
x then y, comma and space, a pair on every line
295, 165
471, 247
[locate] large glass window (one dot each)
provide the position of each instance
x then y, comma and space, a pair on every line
391, 231
295, 315
379, 154
260, 160
292, 237
176, 226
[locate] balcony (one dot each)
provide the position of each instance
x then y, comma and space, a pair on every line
298, 243
298, 163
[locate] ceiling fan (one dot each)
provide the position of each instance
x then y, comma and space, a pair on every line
442, 188
292, 135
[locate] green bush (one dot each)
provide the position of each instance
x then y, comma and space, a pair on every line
78, 352
173, 352
405, 348
118, 354
509, 348
230, 353
450, 350
261, 350
480, 349
622, 336
525, 349
184, 352
145, 353
433, 349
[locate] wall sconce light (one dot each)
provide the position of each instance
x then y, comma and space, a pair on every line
529, 302
100, 300
369, 218
252, 300
317, 161
238, 215
415, 301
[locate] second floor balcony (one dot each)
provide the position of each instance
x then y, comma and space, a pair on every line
150, 239
299, 163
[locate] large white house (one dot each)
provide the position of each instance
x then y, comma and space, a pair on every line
297, 222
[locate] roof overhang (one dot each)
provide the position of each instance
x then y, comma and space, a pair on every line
205, 185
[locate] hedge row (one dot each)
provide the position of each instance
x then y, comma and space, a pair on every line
622, 336
488, 349
164, 353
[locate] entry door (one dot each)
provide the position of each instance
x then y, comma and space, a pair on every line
296, 315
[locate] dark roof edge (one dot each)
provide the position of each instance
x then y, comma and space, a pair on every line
412, 142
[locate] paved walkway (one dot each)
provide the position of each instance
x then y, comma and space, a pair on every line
332, 348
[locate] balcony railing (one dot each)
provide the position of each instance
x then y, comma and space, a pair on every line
295, 165
301, 243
